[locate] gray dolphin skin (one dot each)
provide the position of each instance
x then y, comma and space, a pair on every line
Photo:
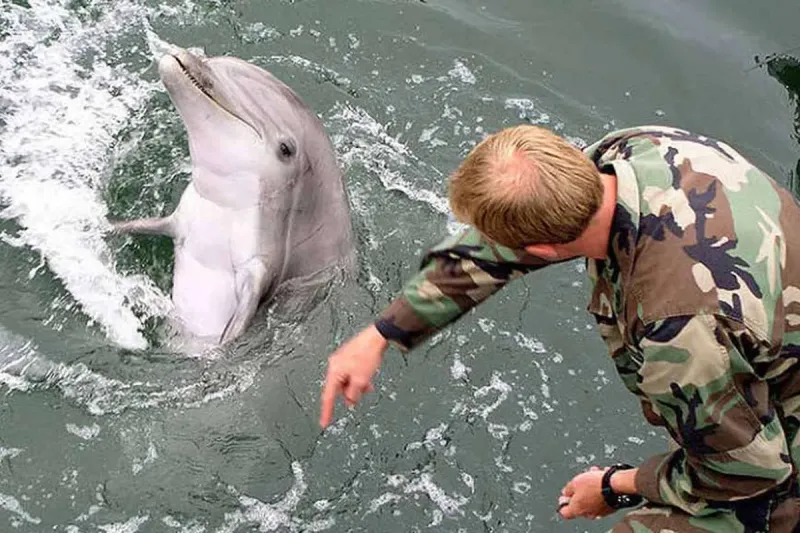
266, 206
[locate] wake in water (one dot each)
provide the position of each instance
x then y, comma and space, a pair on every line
61, 119
63, 105
23, 368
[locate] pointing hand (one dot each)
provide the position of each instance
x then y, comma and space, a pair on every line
350, 371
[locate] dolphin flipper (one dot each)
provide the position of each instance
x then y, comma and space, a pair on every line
151, 226
251, 283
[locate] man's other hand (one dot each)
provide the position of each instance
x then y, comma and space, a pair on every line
583, 496
350, 371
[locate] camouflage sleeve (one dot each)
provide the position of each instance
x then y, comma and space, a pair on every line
455, 276
696, 372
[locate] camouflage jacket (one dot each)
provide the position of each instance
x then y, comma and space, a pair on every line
698, 302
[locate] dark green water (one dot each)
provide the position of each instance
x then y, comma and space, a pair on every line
103, 430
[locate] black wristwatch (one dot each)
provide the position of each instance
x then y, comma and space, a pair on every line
614, 500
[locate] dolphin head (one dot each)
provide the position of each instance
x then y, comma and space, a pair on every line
243, 125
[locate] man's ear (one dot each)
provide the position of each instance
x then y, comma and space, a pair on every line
545, 251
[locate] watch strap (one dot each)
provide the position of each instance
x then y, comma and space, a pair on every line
612, 499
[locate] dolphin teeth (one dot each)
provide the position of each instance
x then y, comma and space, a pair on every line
194, 80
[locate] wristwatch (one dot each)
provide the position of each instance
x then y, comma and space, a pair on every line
614, 500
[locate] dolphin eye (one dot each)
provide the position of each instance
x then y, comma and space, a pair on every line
286, 150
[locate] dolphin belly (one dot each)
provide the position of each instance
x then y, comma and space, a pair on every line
205, 290
204, 297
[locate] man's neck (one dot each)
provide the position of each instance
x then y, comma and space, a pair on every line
594, 241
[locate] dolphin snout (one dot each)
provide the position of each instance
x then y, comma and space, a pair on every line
188, 60
189, 65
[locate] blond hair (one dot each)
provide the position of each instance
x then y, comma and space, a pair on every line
526, 185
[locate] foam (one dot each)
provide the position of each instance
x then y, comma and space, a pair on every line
531, 344
271, 517
527, 110
84, 432
449, 505
23, 368
9, 453
376, 503
310, 66
462, 73
130, 526
150, 458
362, 140
278, 516
496, 384
12, 505
459, 370
433, 437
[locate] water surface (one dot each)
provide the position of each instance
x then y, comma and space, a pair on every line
103, 429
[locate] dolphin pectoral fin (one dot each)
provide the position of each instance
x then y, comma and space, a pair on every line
251, 283
150, 226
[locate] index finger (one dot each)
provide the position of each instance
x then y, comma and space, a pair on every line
332, 388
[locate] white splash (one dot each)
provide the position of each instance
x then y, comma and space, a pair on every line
461, 72
271, 517
258, 31
130, 526
313, 67
433, 437
521, 487
459, 370
469, 481
527, 110
497, 385
9, 453
152, 455
23, 368
12, 505
360, 139
84, 432
449, 505
61, 121
376, 503
498, 431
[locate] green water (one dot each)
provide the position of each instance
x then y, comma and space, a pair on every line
476, 431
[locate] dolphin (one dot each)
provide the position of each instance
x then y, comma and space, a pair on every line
266, 205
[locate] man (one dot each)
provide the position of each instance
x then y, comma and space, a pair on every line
694, 259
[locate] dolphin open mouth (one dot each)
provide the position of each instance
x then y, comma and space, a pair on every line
186, 66
189, 75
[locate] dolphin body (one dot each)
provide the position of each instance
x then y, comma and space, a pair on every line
266, 206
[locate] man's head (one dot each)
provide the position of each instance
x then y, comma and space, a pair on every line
525, 185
